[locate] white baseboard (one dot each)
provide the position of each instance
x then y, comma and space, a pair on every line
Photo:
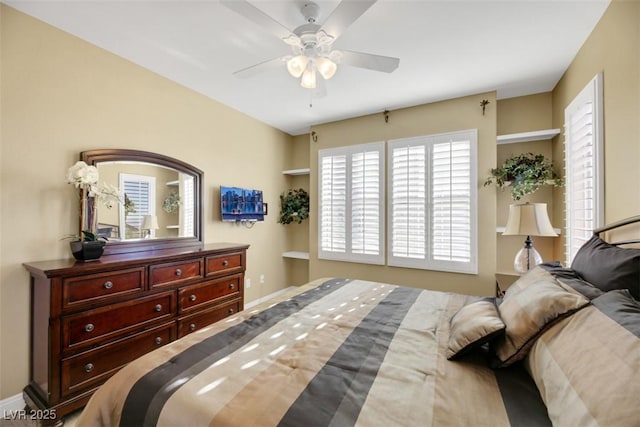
12, 404
266, 297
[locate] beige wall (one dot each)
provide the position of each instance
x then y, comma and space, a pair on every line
613, 48
60, 96
446, 116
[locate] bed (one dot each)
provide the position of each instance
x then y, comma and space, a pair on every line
561, 348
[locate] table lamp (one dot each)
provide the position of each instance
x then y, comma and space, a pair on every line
150, 223
528, 219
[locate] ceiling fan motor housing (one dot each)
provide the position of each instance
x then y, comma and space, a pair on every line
310, 11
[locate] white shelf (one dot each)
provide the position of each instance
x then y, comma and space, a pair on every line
173, 226
538, 135
304, 171
173, 183
501, 230
296, 255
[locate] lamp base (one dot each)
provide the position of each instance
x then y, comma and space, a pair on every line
526, 258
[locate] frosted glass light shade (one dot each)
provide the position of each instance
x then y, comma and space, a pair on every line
297, 65
326, 67
308, 79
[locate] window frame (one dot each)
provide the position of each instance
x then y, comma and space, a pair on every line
428, 262
592, 92
348, 255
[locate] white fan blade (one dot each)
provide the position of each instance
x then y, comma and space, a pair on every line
344, 15
259, 68
386, 64
252, 13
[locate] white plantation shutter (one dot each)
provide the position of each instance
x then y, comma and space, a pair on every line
366, 198
141, 190
351, 203
451, 201
432, 202
583, 166
408, 202
187, 205
333, 203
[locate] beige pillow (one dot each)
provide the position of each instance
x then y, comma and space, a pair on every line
529, 311
473, 325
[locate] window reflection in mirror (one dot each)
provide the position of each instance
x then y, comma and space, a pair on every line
159, 202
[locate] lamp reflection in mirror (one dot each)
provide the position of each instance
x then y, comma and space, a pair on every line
149, 224
528, 219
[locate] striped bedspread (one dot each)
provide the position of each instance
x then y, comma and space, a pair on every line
334, 352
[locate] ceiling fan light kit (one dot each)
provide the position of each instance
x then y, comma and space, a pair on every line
312, 43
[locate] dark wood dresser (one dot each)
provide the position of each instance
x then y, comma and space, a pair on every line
90, 319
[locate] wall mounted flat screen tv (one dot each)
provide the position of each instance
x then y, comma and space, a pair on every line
241, 204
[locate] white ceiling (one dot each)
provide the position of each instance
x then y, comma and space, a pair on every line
447, 49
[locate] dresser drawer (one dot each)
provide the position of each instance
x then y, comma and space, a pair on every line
91, 368
218, 265
196, 296
113, 320
77, 291
192, 323
172, 273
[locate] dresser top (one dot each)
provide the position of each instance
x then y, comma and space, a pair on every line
70, 266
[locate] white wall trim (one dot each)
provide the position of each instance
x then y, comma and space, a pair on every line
12, 404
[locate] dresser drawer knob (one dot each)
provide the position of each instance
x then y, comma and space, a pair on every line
192, 327
231, 311
225, 263
158, 307
108, 284
232, 286
89, 327
178, 272
192, 297
88, 367
158, 340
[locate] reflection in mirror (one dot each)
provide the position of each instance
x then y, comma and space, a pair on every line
158, 202
161, 206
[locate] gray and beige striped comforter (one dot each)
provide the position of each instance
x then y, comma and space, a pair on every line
331, 353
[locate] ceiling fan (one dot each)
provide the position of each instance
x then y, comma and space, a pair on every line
311, 43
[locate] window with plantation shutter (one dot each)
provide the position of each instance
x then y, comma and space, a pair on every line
583, 166
432, 202
351, 203
141, 190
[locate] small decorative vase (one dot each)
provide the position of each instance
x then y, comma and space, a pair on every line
87, 250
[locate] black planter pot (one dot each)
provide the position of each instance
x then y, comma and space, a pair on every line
87, 250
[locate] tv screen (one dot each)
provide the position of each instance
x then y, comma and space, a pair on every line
241, 204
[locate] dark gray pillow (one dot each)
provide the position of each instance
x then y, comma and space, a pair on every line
608, 267
571, 278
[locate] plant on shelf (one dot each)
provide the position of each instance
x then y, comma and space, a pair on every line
171, 203
294, 206
525, 174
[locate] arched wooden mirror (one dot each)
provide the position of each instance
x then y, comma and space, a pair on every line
162, 201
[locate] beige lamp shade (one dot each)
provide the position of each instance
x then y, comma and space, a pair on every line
150, 222
529, 219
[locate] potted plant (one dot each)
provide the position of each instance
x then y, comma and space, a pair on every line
88, 245
294, 206
525, 174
